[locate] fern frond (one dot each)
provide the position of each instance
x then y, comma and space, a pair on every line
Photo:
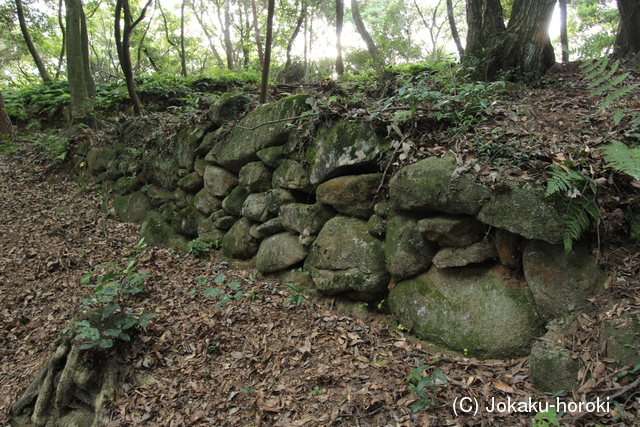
622, 158
605, 86
599, 69
584, 66
578, 219
605, 76
616, 94
617, 116
562, 180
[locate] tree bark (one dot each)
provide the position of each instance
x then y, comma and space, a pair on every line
485, 27
64, 36
42, 70
123, 43
6, 128
378, 61
564, 37
183, 54
209, 37
227, 35
296, 31
264, 86
256, 29
81, 85
339, 23
627, 43
454, 29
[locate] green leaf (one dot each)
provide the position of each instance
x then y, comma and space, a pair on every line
615, 95
618, 115
237, 295
202, 281
224, 299
143, 320
86, 279
127, 322
233, 285
114, 332
106, 343
219, 278
212, 292
108, 310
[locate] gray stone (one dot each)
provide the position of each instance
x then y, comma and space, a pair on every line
255, 208
206, 203
225, 222
186, 221
269, 228
560, 282
228, 107
297, 217
277, 198
551, 366
407, 253
100, 159
279, 252
158, 196
485, 311
522, 209
218, 181
157, 232
238, 243
253, 134
255, 177
271, 156
180, 198
509, 248
191, 183
622, 338
132, 207
459, 257
188, 139
162, 170
345, 257
235, 200
432, 185
128, 184
343, 146
376, 226
291, 175
351, 195
456, 231
381, 209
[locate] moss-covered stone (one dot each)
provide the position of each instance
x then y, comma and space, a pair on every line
158, 196
431, 185
551, 366
228, 107
484, 311
127, 184
206, 203
297, 217
351, 195
238, 243
258, 130
279, 252
346, 145
186, 221
622, 338
271, 156
132, 207
560, 282
218, 181
100, 159
235, 200
161, 169
291, 175
407, 252
191, 183
255, 177
522, 209
459, 257
345, 258
456, 231
255, 208
157, 232
377, 226
188, 138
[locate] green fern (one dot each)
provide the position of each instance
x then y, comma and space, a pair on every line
579, 190
622, 158
604, 83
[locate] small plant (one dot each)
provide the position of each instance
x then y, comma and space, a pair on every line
623, 158
214, 347
110, 319
420, 382
197, 247
247, 390
296, 297
218, 291
546, 419
316, 392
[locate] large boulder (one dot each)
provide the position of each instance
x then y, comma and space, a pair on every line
234, 202
162, 169
433, 185
621, 337
228, 107
345, 258
157, 232
485, 311
238, 243
459, 257
407, 252
521, 208
291, 176
255, 208
255, 177
279, 252
456, 231
551, 366
351, 195
186, 221
264, 127
206, 203
344, 146
297, 217
132, 207
560, 282
188, 139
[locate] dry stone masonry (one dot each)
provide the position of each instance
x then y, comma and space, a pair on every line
469, 268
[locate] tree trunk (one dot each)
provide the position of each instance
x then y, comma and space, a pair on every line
339, 22
485, 27
44, 75
628, 38
454, 29
227, 35
183, 54
267, 54
6, 128
209, 37
81, 85
64, 35
123, 43
256, 29
378, 62
564, 37
296, 31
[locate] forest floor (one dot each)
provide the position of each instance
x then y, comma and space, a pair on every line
256, 361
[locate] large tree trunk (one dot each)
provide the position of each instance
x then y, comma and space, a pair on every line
454, 29
81, 85
292, 39
485, 27
44, 75
256, 29
6, 128
339, 22
378, 61
628, 38
227, 34
564, 37
183, 54
267, 54
64, 38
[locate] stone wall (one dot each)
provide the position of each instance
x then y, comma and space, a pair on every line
470, 268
